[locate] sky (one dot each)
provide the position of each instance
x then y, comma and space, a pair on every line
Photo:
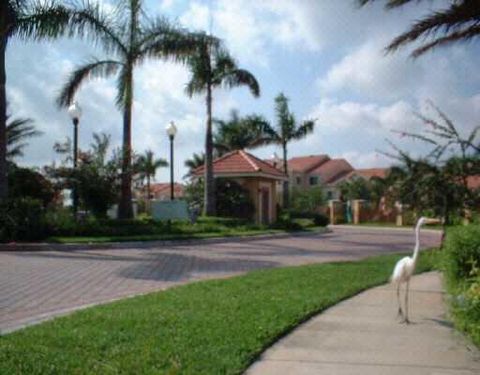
326, 56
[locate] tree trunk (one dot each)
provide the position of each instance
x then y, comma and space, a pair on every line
125, 210
210, 203
286, 184
3, 119
148, 193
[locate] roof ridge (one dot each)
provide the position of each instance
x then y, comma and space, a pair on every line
246, 156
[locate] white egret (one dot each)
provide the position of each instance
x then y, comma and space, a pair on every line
405, 268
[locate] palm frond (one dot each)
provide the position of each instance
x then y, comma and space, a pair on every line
195, 86
91, 22
303, 129
240, 77
389, 3
17, 132
165, 40
95, 68
41, 20
459, 21
463, 35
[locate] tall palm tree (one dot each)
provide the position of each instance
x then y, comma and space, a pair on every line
286, 129
147, 167
129, 38
458, 22
28, 20
211, 67
18, 130
239, 133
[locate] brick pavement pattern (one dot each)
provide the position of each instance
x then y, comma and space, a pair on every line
36, 285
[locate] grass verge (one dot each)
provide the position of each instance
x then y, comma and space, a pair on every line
173, 236
210, 327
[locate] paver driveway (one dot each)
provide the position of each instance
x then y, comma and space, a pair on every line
37, 284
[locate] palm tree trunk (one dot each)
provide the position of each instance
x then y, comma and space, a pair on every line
3, 121
148, 193
286, 184
210, 204
125, 210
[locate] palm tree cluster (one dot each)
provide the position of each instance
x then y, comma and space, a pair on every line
128, 37
460, 21
146, 166
254, 131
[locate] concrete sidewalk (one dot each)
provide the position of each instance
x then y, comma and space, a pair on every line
362, 336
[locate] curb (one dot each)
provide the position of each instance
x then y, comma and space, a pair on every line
401, 229
48, 246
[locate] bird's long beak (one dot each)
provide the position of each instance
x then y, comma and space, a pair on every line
432, 221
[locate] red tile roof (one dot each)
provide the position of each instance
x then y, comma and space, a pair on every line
332, 170
240, 162
368, 173
304, 164
473, 182
163, 188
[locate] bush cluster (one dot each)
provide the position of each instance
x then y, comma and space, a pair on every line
462, 270
462, 252
22, 219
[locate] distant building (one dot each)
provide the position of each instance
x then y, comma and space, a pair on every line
306, 172
161, 191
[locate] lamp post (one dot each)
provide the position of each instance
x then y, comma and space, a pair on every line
171, 131
75, 112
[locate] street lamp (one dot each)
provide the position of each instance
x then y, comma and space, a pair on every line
171, 131
75, 112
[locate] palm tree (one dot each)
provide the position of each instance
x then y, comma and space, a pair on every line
211, 67
287, 129
239, 133
18, 130
130, 38
147, 167
194, 162
27, 20
458, 22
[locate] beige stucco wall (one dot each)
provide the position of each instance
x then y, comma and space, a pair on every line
254, 186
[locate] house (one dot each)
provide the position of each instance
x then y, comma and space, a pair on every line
161, 191
258, 177
306, 172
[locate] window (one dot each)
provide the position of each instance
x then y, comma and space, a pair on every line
329, 195
299, 180
313, 180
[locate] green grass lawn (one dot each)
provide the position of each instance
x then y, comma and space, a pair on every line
210, 327
232, 232
139, 230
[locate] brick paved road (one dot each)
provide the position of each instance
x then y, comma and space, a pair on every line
38, 284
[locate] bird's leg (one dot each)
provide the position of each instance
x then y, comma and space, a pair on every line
400, 312
406, 304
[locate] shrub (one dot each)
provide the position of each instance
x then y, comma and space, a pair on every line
232, 200
462, 252
462, 268
286, 222
25, 182
320, 220
22, 219
306, 202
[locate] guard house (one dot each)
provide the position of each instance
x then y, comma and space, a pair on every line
255, 175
